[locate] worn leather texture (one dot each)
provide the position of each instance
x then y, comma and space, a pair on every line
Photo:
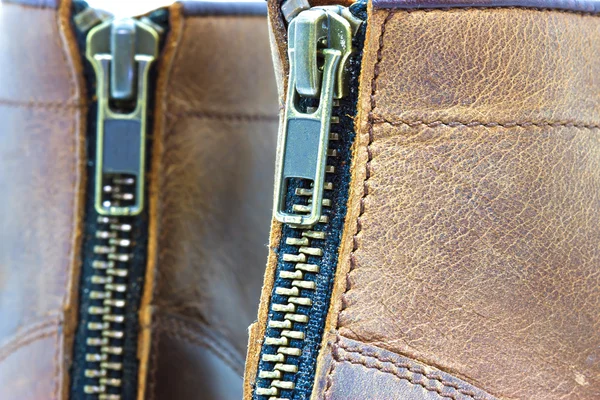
591, 6
211, 203
42, 117
470, 239
470, 245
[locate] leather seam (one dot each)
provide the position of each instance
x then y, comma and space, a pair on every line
63, 14
70, 51
365, 189
471, 124
27, 337
167, 66
498, 8
43, 105
373, 120
409, 367
24, 343
226, 117
381, 368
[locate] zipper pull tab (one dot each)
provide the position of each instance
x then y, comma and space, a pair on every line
319, 45
121, 52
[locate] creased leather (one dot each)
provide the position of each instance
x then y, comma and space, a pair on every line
471, 241
42, 116
211, 203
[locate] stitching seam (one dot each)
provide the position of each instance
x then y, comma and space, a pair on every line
42, 104
38, 332
365, 188
62, 25
178, 25
373, 120
409, 366
24, 343
226, 117
511, 124
379, 365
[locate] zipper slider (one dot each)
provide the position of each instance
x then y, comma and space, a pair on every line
319, 45
121, 52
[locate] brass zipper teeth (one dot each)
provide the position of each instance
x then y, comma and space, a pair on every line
288, 328
320, 44
112, 258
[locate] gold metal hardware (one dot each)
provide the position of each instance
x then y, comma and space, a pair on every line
320, 43
121, 52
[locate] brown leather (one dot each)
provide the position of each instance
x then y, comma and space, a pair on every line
212, 196
475, 190
591, 6
216, 117
471, 242
42, 117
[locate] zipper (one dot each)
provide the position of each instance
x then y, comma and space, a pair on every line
120, 54
311, 190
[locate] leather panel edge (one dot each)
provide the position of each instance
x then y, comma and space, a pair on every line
71, 299
165, 66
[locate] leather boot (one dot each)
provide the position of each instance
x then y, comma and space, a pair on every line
130, 267
443, 240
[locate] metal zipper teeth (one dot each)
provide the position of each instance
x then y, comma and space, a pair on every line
290, 336
107, 298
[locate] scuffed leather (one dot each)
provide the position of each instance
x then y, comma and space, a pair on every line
471, 237
211, 203
591, 6
470, 244
42, 116
203, 363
